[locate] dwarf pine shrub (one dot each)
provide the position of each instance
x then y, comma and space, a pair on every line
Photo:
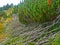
38, 11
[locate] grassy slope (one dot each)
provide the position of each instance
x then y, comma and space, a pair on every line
43, 36
32, 34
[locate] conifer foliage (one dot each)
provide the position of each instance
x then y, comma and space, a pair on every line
37, 11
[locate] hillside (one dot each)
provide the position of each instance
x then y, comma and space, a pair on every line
32, 22
32, 34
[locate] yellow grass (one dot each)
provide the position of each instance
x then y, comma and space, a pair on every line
2, 37
8, 20
1, 26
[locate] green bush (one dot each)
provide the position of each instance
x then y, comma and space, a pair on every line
3, 14
37, 11
56, 40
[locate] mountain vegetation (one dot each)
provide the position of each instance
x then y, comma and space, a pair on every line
32, 22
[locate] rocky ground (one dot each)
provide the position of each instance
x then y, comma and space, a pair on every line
37, 34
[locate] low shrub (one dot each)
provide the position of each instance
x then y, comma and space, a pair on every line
38, 11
